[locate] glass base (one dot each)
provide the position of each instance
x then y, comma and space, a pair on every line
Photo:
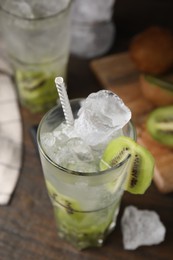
86, 229
36, 90
83, 241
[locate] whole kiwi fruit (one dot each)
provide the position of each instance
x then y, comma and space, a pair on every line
152, 50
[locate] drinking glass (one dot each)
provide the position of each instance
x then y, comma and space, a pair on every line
36, 36
85, 205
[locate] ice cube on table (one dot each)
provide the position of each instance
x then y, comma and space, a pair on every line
75, 155
102, 115
141, 227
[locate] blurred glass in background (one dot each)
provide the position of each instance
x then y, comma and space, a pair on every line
93, 30
37, 39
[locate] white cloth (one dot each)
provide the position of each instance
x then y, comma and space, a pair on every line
10, 136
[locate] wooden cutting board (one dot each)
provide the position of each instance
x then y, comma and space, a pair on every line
118, 74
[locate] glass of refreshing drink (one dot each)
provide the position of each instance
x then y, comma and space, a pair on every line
36, 36
88, 164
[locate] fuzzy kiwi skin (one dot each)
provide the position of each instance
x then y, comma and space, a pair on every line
160, 125
140, 167
151, 50
157, 90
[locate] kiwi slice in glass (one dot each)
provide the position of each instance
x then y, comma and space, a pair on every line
61, 200
77, 226
160, 125
141, 165
36, 90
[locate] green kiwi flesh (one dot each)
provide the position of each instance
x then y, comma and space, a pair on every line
69, 204
81, 228
140, 164
160, 125
35, 90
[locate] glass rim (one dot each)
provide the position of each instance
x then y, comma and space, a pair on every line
41, 18
72, 172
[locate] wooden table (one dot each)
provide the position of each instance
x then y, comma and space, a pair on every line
27, 227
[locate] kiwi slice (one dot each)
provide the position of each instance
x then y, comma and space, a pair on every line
81, 228
160, 125
88, 231
58, 199
36, 90
30, 79
141, 164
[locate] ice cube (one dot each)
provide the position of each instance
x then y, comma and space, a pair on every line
77, 156
64, 132
141, 227
53, 141
101, 115
48, 142
48, 139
